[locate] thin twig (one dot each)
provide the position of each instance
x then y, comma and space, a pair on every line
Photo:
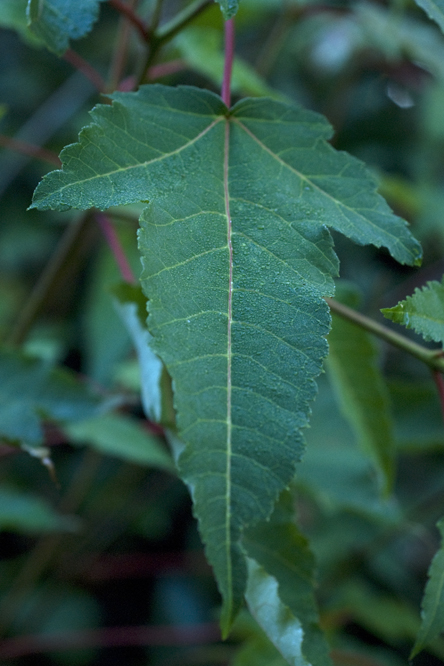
228, 63
170, 29
431, 357
88, 70
437, 376
116, 248
30, 150
165, 635
131, 15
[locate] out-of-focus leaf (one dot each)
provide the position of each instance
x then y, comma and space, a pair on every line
280, 589
31, 389
13, 15
156, 391
55, 22
23, 512
201, 48
424, 311
121, 436
229, 8
432, 607
434, 9
360, 390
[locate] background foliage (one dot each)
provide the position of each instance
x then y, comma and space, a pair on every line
101, 561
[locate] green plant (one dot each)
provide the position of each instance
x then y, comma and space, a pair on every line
236, 206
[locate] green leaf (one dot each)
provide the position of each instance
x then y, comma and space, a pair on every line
229, 8
237, 260
31, 390
434, 10
424, 311
156, 385
432, 607
13, 15
24, 512
121, 436
280, 586
57, 21
361, 392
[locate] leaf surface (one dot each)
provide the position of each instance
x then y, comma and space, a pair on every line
237, 260
361, 392
31, 389
280, 589
432, 607
13, 15
121, 436
424, 311
24, 512
229, 8
58, 21
434, 10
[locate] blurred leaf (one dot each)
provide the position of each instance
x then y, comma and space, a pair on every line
434, 9
31, 390
360, 390
229, 8
424, 311
432, 607
58, 21
13, 15
280, 588
21, 511
201, 48
121, 436
156, 398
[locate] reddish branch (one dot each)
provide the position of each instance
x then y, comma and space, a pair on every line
228, 65
439, 381
178, 635
30, 150
132, 16
88, 70
116, 248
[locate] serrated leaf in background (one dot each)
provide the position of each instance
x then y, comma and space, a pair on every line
27, 513
55, 22
280, 589
31, 390
434, 10
229, 8
123, 437
237, 261
424, 311
432, 606
361, 392
156, 395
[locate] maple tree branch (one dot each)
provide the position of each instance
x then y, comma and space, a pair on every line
131, 15
86, 68
30, 150
228, 64
431, 357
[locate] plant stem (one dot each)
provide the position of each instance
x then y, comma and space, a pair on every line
30, 150
437, 376
116, 248
132, 17
431, 357
88, 70
228, 64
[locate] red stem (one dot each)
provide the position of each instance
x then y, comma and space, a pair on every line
189, 634
228, 65
132, 16
88, 70
116, 248
29, 149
